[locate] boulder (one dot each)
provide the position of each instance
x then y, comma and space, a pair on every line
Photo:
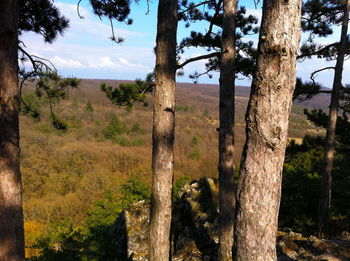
195, 231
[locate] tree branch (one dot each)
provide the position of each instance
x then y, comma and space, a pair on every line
78, 10
195, 6
317, 51
201, 57
312, 77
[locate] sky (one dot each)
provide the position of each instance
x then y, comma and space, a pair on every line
85, 50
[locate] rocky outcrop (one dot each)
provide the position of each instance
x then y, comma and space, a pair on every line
294, 246
130, 233
195, 231
194, 225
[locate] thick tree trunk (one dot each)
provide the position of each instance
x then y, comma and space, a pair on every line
259, 191
163, 132
226, 132
11, 213
326, 188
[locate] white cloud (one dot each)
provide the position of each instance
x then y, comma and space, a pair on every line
125, 62
67, 63
103, 63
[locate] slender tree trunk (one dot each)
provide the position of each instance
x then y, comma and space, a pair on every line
163, 132
11, 213
259, 191
326, 189
226, 131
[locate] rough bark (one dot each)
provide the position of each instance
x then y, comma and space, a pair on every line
11, 214
326, 187
163, 131
259, 188
226, 132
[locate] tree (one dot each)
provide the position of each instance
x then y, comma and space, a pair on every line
44, 18
326, 190
17, 17
259, 188
319, 16
163, 131
226, 132
302, 178
11, 212
211, 40
231, 62
163, 121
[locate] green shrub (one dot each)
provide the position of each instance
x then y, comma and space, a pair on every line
114, 128
134, 190
195, 154
302, 184
89, 107
126, 142
179, 184
194, 141
183, 108
135, 127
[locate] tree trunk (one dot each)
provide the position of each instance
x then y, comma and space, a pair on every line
11, 213
326, 188
226, 132
163, 132
259, 191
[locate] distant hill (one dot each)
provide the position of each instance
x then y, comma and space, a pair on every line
203, 99
210, 92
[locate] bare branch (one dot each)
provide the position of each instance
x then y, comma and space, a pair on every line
78, 10
312, 77
147, 7
38, 62
201, 57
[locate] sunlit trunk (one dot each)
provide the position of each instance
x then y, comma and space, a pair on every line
11, 213
163, 132
259, 188
226, 132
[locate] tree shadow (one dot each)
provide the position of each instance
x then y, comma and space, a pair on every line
11, 233
194, 220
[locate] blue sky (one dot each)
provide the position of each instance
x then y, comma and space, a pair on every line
85, 50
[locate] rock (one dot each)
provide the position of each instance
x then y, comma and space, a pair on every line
130, 233
345, 235
195, 231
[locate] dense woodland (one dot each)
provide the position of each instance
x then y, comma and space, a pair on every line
75, 153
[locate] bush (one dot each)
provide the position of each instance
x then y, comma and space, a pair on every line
134, 190
302, 183
183, 108
178, 185
89, 107
114, 128
195, 154
135, 127
126, 142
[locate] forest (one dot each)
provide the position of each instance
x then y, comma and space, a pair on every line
158, 169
